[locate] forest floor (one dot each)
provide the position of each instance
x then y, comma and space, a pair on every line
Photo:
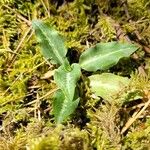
27, 85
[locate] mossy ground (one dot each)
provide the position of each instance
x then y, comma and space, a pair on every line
26, 118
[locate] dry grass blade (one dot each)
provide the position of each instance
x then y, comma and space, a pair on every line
46, 9
18, 48
47, 94
19, 16
135, 117
136, 32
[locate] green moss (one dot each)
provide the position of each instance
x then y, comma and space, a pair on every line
103, 127
139, 8
105, 24
138, 139
26, 121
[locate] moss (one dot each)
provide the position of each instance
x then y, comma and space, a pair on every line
104, 128
138, 139
139, 8
26, 119
108, 32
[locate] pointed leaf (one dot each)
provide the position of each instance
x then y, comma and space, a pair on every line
63, 107
105, 55
52, 45
66, 80
107, 85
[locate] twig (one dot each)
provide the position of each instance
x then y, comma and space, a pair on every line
131, 120
37, 113
18, 49
12, 100
136, 32
23, 38
45, 8
18, 78
19, 16
47, 94
12, 83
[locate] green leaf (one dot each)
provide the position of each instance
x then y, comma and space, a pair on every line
66, 80
105, 55
64, 103
52, 45
107, 85
63, 107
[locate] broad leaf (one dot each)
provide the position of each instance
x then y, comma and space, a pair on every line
66, 80
63, 107
52, 45
107, 85
105, 55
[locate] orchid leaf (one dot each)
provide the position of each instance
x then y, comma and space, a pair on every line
52, 45
105, 55
63, 107
64, 103
106, 85
66, 80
